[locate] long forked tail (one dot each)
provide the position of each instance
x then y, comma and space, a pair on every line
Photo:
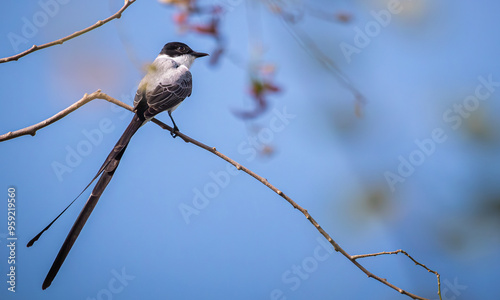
107, 169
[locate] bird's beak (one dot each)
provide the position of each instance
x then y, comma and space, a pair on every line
199, 54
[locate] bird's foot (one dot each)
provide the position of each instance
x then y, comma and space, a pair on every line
173, 132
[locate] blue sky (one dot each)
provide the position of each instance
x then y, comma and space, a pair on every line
422, 75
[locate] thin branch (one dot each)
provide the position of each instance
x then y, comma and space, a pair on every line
306, 214
309, 45
409, 256
31, 130
353, 258
99, 23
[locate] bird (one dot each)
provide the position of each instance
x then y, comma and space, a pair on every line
165, 86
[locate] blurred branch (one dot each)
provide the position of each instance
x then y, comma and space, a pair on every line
31, 130
99, 23
307, 43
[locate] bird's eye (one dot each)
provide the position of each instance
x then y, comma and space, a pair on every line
181, 49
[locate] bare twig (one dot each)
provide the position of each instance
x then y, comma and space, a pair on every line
353, 258
305, 213
31, 130
409, 256
99, 23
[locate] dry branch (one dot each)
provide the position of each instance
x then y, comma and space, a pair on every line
99, 23
410, 257
31, 130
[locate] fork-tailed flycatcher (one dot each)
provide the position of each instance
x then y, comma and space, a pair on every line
167, 83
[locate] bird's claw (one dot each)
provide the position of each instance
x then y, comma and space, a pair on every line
173, 132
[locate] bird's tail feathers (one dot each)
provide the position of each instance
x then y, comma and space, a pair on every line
107, 169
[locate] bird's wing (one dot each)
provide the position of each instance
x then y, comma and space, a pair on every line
164, 97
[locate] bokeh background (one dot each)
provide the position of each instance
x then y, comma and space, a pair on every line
332, 154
